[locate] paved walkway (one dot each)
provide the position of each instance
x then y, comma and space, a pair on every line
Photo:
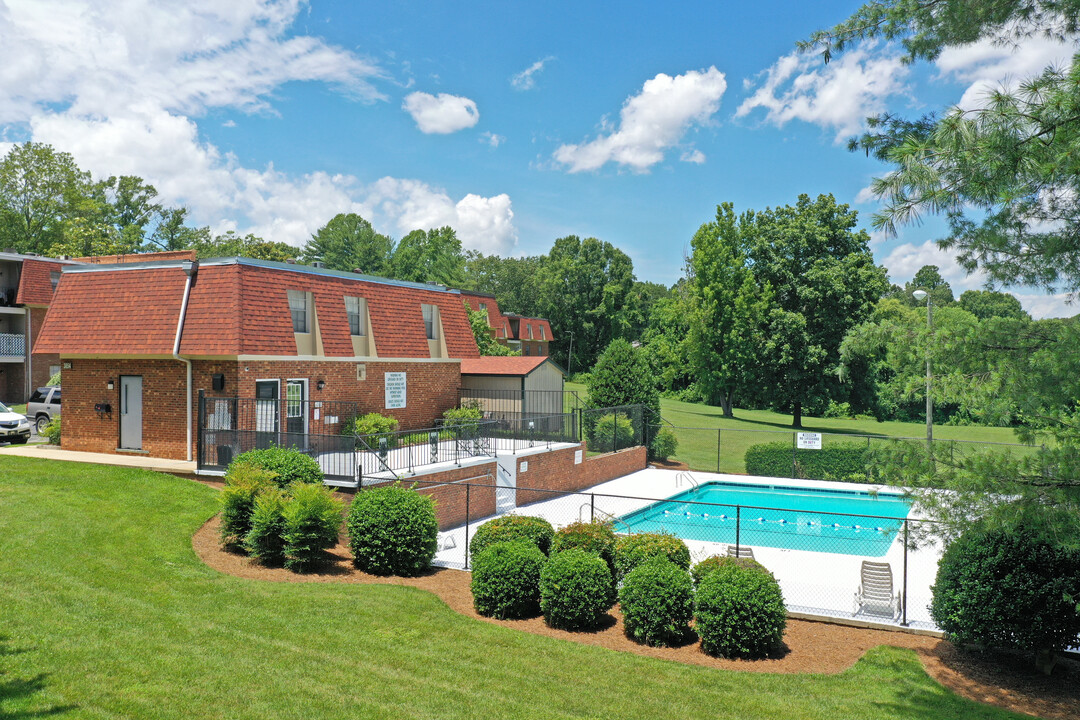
51, 452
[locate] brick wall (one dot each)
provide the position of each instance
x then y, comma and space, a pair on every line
448, 488
164, 415
556, 470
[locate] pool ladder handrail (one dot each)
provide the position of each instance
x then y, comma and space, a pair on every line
685, 476
595, 512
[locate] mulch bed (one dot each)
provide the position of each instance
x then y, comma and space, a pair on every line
669, 464
810, 647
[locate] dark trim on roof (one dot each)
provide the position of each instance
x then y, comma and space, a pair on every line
475, 293
524, 317
269, 264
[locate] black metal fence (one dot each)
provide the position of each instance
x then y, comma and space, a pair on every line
816, 554
615, 428
498, 403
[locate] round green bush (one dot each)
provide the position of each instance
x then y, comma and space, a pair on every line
392, 531
612, 432
1006, 589
632, 550
664, 444
597, 538
715, 562
290, 465
506, 580
576, 590
265, 541
739, 612
312, 522
657, 602
537, 531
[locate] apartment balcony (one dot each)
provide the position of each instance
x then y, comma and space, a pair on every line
12, 347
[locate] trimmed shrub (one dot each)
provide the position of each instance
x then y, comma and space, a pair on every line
312, 521
243, 483
264, 541
468, 414
664, 444
52, 431
632, 550
513, 527
597, 538
1005, 589
612, 432
373, 424
739, 612
715, 562
506, 580
657, 602
835, 461
289, 464
392, 531
576, 590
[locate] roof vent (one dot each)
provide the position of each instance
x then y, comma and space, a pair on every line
291, 261
432, 282
358, 270
318, 264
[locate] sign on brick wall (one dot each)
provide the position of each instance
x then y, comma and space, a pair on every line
395, 390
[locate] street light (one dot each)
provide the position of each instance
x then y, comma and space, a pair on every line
921, 295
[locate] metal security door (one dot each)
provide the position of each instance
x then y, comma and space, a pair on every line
131, 412
267, 413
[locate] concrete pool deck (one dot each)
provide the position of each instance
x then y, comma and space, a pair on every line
815, 584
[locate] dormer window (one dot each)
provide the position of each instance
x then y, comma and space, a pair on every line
429, 321
298, 305
543, 335
529, 327
356, 309
54, 279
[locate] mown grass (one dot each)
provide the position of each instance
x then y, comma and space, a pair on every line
697, 426
105, 611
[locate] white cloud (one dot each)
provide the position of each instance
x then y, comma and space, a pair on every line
120, 90
693, 156
904, 260
865, 195
525, 79
838, 96
482, 223
441, 114
1048, 306
489, 138
651, 122
988, 67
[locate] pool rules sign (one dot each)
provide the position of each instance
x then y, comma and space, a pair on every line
809, 441
395, 390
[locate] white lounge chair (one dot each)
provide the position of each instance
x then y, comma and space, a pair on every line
875, 593
740, 551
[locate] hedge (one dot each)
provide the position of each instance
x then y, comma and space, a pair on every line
835, 461
312, 522
392, 531
243, 483
290, 465
537, 531
633, 550
576, 590
597, 538
506, 580
657, 602
739, 612
714, 562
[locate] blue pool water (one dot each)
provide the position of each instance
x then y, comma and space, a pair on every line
847, 522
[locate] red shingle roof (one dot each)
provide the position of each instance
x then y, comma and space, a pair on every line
238, 308
501, 365
35, 284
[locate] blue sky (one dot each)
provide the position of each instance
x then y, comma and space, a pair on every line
516, 123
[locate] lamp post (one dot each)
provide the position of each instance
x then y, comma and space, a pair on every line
921, 295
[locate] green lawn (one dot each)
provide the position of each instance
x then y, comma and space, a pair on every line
105, 611
21, 409
698, 425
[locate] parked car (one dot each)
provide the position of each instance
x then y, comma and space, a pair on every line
43, 406
14, 428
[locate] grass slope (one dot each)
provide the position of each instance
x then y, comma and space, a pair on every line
105, 611
697, 427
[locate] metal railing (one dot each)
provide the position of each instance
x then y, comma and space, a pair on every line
497, 403
12, 345
816, 555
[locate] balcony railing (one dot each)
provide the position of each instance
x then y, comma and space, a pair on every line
12, 345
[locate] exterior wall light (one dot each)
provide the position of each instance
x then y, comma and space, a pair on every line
109, 384
321, 384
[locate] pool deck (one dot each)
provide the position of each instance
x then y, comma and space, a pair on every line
815, 584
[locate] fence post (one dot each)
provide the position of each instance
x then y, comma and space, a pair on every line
592, 507
615, 432
903, 610
580, 425
794, 438
199, 434
718, 450
738, 516
468, 486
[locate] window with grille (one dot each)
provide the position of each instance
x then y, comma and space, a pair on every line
298, 304
429, 321
356, 309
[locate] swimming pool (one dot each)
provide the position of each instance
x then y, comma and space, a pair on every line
847, 522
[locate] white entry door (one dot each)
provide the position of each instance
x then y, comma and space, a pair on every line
131, 412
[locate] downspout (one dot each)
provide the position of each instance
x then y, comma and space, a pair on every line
191, 269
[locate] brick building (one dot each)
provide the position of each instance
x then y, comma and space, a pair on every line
139, 340
528, 335
26, 291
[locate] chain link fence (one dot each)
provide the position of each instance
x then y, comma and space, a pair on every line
836, 553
